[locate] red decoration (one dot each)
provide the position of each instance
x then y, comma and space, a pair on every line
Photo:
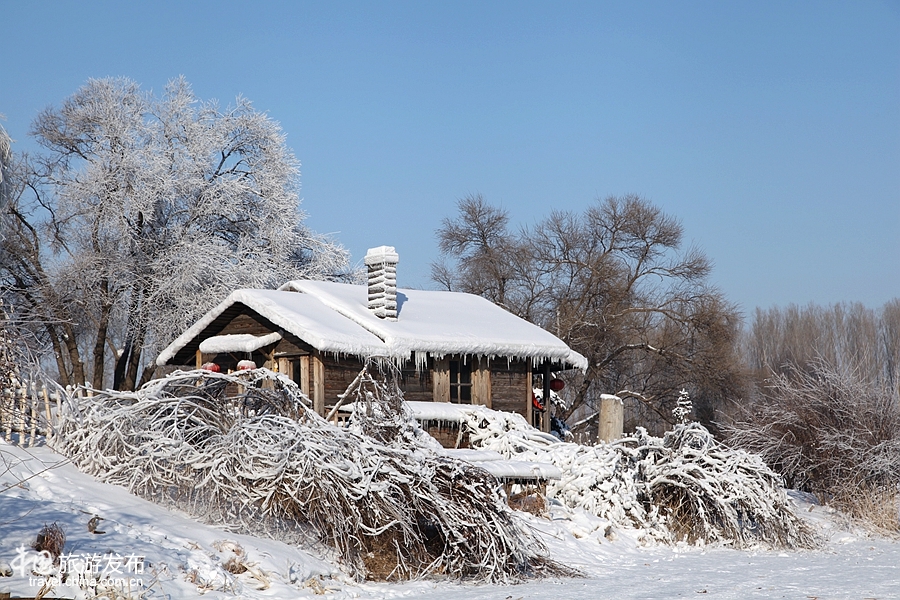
211, 366
537, 403
246, 365
557, 384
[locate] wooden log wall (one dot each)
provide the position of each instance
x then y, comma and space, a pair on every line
510, 388
338, 375
418, 386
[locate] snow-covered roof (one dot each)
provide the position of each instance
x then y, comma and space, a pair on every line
237, 342
441, 323
333, 317
301, 314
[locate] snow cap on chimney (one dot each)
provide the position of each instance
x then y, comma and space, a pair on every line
381, 263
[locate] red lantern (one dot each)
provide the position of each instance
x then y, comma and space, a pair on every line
210, 366
246, 365
557, 384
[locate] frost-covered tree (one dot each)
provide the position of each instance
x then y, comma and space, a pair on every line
5, 166
145, 211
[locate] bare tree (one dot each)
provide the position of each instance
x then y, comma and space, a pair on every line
615, 284
144, 212
483, 248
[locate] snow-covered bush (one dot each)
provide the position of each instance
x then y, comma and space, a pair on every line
245, 451
829, 431
683, 486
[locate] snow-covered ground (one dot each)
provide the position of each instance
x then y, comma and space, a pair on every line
181, 558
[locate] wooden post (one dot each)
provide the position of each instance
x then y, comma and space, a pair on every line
318, 384
199, 358
49, 430
9, 410
33, 405
304, 375
21, 415
59, 400
544, 425
47, 406
285, 367
529, 393
270, 363
441, 379
481, 382
612, 418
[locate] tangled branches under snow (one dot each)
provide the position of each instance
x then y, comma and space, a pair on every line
683, 486
244, 450
830, 431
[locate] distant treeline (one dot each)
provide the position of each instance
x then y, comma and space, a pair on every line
847, 336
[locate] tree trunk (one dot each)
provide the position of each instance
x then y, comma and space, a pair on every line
146, 375
134, 359
64, 379
122, 363
99, 350
71, 344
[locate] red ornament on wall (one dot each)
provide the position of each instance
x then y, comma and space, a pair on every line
557, 384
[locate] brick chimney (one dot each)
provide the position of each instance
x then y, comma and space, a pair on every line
381, 263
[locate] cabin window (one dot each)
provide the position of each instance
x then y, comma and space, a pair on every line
460, 382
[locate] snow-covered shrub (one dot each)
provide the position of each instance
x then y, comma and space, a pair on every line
828, 431
710, 492
683, 486
245, 451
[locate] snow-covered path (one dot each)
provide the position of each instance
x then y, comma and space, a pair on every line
184, 559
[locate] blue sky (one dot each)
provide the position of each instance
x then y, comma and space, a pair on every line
771, 129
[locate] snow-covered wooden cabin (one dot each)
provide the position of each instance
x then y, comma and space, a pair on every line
450, 346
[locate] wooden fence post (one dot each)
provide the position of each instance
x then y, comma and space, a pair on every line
21, 415
47, 406
33, 411
8, 411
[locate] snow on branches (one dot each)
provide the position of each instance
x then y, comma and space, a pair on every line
683, 409
833, 430
683, 486
245, 451
142, 213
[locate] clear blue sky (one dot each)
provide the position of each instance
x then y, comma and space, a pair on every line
771, 129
